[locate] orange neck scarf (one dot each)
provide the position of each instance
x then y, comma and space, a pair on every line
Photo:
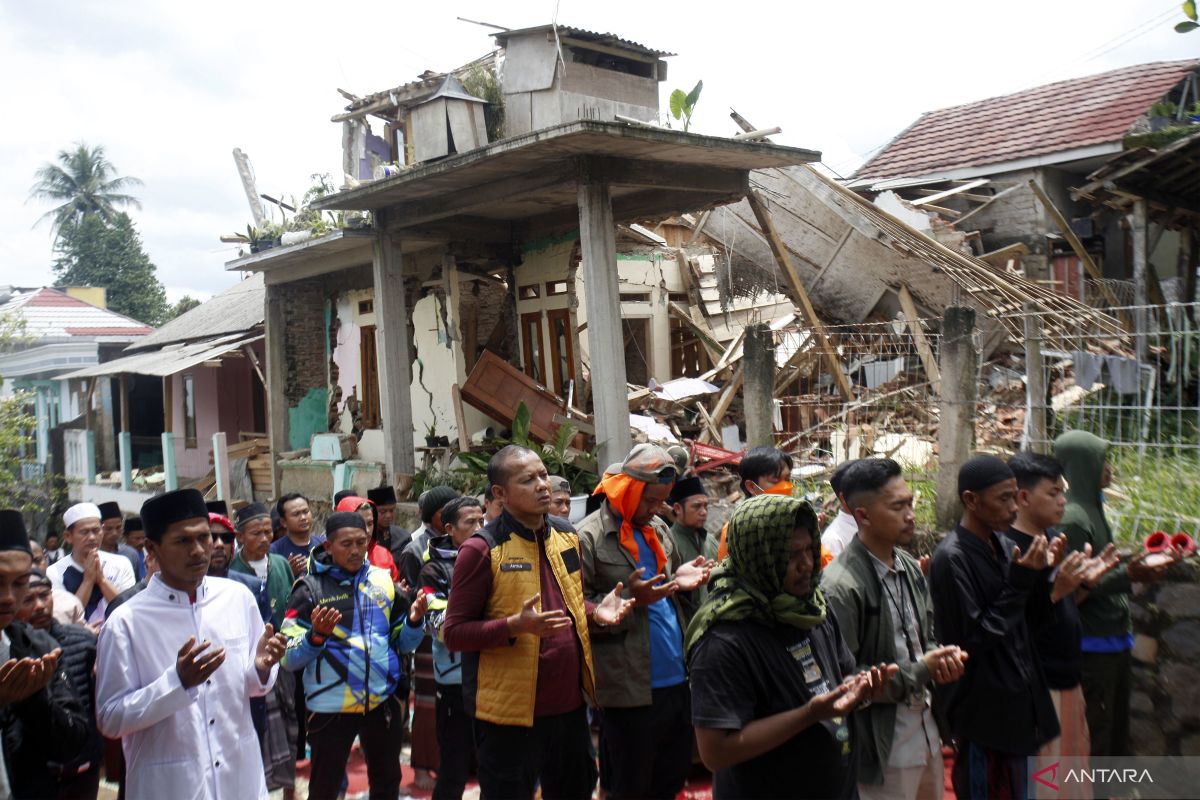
625, 493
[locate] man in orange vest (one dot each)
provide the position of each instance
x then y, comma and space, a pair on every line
519, 616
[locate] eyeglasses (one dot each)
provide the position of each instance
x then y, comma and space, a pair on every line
226, 538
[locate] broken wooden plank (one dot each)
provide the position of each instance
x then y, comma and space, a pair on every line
991, 200
710, 345
1001, 256
710, 427
935, 197
460, 419
726, 400
1076, 245
928, 360
784, 259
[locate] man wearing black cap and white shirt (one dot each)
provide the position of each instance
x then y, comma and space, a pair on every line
1000, 711
41, 720
112, 526
391, 536
91, 574
177, 664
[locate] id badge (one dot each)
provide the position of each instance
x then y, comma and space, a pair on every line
802, 652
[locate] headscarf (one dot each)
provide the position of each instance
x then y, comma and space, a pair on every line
624, 492
749, 584
222, 520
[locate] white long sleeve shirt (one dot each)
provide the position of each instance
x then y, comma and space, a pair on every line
183, 744
839, 533
117, 571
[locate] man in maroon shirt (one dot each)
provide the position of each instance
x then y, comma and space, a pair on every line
518, 614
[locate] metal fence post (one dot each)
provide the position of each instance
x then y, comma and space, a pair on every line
956, 425
1035, 382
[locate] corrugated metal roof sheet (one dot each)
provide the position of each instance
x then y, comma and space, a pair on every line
581, 33
51, 314
168, 360
236, 310
1082, 112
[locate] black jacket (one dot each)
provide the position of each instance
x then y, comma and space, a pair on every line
47, 726
78, 644
979, 599
1055, 627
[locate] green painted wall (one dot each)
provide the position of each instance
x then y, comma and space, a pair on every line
309, 416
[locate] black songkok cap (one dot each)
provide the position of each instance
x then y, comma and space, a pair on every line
247, 514
688, 487
342, 495
980, 472
12, 532
160, 511
109, 511
432, 501
382, 496
344, 519
133, 524
217, 507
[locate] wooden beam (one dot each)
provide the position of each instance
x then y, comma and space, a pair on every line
168, 392
1076, 245
710, 345
913, 320
124, 393
1001, 256
784, 259
710, 427
989, 201
250, 354
724, 402
936, 196
460, 419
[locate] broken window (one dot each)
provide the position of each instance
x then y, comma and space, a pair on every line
531, 335
562, 349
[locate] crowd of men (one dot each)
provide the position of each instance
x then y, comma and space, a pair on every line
502, 641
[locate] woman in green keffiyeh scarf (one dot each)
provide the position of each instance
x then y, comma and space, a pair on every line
749, 584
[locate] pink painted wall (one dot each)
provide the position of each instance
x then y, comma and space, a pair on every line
224, 402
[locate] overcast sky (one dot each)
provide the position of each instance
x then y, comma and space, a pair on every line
171, 88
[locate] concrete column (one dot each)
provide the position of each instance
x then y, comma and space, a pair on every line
220, 451
277, 406
956, 427
168, 452
392, 351
1141, 257
758, 363
125, 447
42, 419
660, 334
1035, 382
606, 345
91, 458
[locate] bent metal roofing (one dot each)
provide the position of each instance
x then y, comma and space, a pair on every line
1081, 112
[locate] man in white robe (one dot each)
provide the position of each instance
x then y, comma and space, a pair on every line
177, 664
89, 573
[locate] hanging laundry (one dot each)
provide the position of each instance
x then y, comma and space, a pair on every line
1123, 374
1087, 368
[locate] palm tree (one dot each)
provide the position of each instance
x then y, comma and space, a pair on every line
83, 183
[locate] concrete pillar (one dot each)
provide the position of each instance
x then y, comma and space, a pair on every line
168, 453
959, 365
220, 451
758, 363
1141, 256
277, 407
392, 352
660, 333
1035, 382
91, 458
125, 448
606, 344
42, 419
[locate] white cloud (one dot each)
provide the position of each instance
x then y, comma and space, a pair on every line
170, 88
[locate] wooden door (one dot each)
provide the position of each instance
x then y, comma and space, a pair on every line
562, 348
532, 347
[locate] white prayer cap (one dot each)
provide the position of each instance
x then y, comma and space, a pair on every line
80, 511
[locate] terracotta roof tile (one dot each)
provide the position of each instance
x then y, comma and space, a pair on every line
1093, 110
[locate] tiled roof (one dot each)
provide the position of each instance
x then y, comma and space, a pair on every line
51, 314
1093, 110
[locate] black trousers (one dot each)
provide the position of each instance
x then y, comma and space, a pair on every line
379, 732
1107, 683
646, 752
456, 743
556, 751
80, 785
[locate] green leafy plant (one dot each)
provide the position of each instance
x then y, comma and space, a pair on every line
1191, 23
684, 103
559, 456
1163, 109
